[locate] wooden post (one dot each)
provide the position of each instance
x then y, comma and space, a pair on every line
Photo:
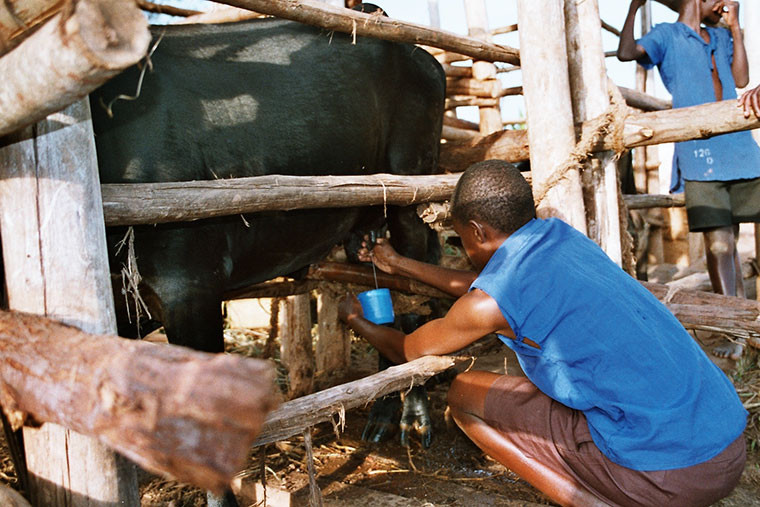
752, 43
55, 260
297, 353
590, 96
333, 354
550, 115
477, 23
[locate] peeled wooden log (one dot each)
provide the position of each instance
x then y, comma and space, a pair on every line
147, 203
645, 201
640, 129
19, 19
509, 145
224, 14
453, 121
643, 101
293, 417
458, 134
166, 9
72, 56
172, 410
490, 88
468, 100
313, 12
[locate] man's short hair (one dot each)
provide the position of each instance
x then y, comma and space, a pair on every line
493, 192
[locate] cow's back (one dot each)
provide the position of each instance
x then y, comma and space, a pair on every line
263, 97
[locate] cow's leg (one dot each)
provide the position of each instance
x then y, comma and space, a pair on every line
193, 318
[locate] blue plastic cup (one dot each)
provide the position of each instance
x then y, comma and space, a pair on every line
377, 306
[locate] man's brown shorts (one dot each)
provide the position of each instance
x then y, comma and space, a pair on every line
557, 436
711, 204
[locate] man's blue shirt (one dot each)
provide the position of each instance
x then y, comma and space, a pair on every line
609, 348
684, 60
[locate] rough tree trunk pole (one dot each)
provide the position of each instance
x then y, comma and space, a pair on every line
752, 43
550, 114
477, 23
56, 264
68, 58
333, 349
590, 96
297, 352
312, 12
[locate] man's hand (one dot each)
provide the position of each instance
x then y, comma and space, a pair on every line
729, 16
383, 255
349, 308
750, 101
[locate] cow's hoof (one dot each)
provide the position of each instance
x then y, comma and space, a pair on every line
416, 417
226, 500
383, 419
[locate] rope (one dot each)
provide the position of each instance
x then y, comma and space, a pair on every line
611, 122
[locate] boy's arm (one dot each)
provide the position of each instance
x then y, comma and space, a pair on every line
451, 281
472, 316
627, 48
739, 67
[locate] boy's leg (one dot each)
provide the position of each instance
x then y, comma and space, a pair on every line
724, 268
467, 398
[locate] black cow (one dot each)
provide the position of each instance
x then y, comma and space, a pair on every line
255, 98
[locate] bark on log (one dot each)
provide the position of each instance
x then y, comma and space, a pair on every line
491, 88
297, 353
683, 124
643, 101
509, 145
166, 9
315, 13
19, 19
137, 203
333, 348
72, 56
173, 410
453, 121
645, 201
293, 417
455, 134
464, 100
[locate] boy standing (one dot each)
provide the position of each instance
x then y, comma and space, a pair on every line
700, 63
620, 406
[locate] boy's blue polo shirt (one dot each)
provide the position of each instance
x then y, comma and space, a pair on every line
684, 60
609, 348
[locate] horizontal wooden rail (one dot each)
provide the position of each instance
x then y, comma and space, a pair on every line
293, 417
313, 12
172, 410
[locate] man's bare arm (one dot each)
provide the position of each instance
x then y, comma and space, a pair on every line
451, 281
627, 48
472, 316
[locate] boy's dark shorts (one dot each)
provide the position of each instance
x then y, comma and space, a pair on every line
711, 204
558, 437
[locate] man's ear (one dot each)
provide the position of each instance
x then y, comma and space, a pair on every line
478, 231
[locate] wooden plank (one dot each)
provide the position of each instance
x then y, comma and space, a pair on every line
292, 417
72, 56
175, 411
312, 12
333, 347
55, 263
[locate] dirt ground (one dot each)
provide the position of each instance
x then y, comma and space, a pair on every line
452, 472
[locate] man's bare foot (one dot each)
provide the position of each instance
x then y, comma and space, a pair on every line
731, 349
